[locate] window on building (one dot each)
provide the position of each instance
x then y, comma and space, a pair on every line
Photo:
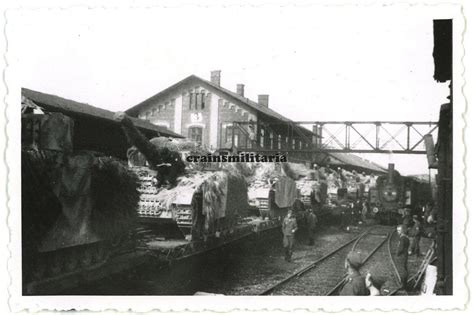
232, 136
203, 100
197, 101
293, 146
262, 138
195, 134
236, 140
147, 115
191, 94
279, 142
271, 140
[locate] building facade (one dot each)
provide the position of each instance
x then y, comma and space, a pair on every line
221, 119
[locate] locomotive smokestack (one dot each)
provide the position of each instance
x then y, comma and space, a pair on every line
391, 169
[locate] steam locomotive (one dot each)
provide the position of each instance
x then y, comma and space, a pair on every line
394, 194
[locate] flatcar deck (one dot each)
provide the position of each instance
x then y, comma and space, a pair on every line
173, 250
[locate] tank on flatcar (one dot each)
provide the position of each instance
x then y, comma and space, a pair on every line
202, 204
77, 207
205, 199
273, 192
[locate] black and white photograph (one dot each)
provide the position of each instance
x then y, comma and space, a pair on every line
194, 152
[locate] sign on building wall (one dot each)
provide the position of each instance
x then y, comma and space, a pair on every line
196, 117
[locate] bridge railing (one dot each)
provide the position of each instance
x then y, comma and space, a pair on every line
307, 137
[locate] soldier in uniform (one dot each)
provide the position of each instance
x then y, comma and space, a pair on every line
415, 237
373, 284
355, 283
289, 227
402, 254
311, 220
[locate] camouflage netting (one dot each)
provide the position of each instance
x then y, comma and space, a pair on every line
327, 181
115, 198
223, 198
179, 145
187, 185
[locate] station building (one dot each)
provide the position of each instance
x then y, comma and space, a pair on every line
224, 120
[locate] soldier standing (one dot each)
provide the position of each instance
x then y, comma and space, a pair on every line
355, 283
415, 237
364, 211
402, 254
311, 220
289, 228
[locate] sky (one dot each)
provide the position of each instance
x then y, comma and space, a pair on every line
316, 63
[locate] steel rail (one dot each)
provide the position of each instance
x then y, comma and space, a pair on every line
312, 265
343, 280
397, 273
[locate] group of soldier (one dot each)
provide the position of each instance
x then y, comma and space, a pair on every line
354, 213
356, 284
409, 232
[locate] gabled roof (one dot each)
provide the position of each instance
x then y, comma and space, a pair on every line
214, 88
65, 106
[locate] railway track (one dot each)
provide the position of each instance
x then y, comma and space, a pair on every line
394, 266
378, 244
323, 277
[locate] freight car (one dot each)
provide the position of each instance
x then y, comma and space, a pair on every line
78, 208
393, 193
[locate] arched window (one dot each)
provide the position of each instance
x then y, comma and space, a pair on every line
195, 134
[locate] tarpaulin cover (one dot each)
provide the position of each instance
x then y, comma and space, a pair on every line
74, 192
237, 199
285, 192
53, 131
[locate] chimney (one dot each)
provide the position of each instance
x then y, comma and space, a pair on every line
263, 100
216, 77
240, 89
